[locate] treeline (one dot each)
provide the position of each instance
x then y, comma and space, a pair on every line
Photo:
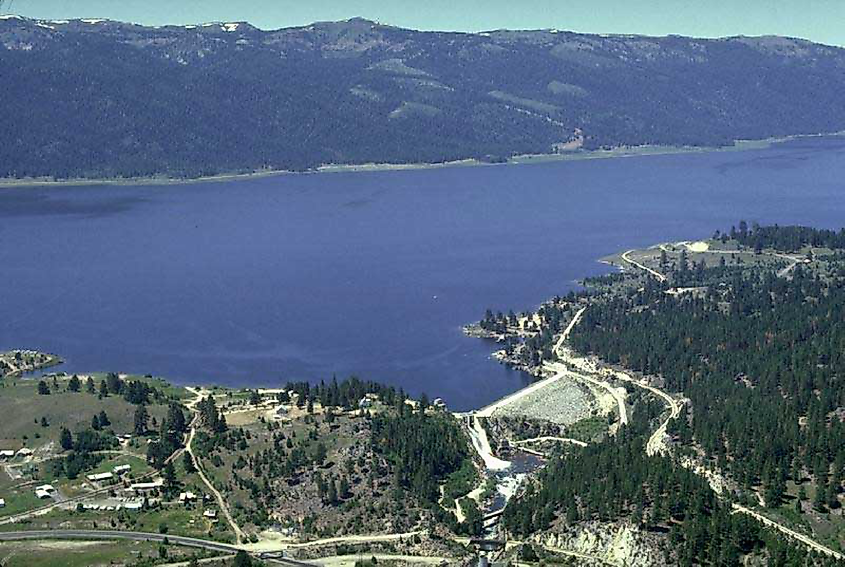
346, 394
785, 238
133, 391
760, 360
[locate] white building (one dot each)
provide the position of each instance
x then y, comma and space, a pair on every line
212, 514
2, 503
121, 469
144, 486
24, 452
44, 491
100, 477
186, 497
6, 454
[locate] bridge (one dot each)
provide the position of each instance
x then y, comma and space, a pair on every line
488, 544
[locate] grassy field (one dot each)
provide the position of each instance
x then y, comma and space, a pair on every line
21, 410
19, 499
85, 553
172, 519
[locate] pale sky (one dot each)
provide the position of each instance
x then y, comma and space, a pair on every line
817, 20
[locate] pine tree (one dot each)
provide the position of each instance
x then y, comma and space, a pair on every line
169, 475
66, 439
141, 419
188, 463
332, 492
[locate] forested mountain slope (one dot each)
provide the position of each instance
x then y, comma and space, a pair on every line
91, 98
744, 332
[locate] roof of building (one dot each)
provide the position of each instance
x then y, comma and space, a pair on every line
100, 476
147, 485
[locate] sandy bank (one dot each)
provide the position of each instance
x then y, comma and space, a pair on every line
619, 152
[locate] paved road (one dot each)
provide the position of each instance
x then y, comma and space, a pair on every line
98, 535
101, 535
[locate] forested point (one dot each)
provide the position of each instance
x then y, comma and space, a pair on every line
759, 358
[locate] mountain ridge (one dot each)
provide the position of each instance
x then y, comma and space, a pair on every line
100, 98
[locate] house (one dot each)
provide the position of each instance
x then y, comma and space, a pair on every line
6, 454
121, 469
145, 486
2, 503
186, 497
133, 505
210, 514
101, 477
44, 491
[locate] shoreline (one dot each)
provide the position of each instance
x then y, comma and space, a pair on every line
522, 159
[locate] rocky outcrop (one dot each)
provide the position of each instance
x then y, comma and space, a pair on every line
620, 544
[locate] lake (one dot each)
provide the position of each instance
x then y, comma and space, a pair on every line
256, 282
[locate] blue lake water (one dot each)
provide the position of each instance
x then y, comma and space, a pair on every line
301, 277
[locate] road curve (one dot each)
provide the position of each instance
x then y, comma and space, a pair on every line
660, 277
655, 441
